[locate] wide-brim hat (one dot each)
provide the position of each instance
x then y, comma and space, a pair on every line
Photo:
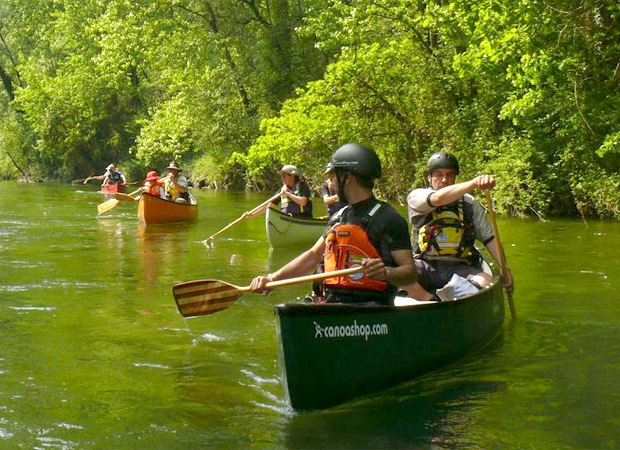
111, 166
152, 176
290, 169
173, 166
328, 168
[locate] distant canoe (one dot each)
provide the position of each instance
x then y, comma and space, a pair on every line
153, 210
111, 189
331, 353
286, 231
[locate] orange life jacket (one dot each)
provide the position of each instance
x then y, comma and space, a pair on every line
346, 245
153, 189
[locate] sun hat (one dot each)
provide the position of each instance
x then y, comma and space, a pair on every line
152, 176
111, 166
173, 166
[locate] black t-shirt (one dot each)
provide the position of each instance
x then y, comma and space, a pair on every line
388, 230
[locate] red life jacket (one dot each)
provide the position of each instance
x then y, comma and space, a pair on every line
346, 245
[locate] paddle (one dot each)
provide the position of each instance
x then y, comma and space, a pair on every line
126, 197
81, 180
243, 216
502, 256
201, 297
109, 204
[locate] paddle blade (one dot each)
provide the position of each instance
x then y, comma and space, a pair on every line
106, 206
201, 297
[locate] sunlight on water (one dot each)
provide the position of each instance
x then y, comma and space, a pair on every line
96, 355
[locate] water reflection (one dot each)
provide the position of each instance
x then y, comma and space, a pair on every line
431, 411
160, 248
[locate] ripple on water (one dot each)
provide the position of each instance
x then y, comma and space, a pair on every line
208, 337
152, 365
33, 308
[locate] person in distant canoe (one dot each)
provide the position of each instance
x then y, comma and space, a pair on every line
295, 196
330, 193
111, 176
153, 185
366, 232
175, 185
446, 220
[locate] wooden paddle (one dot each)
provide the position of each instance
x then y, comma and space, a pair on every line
81, 180
109, 204
503, 265
243, 216
126, 197
201, 297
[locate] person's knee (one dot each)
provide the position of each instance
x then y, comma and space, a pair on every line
417, 292
481, 280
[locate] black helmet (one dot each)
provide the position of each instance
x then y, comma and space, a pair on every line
358, 160
442, 160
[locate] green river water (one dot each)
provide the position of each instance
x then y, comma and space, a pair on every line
94, 354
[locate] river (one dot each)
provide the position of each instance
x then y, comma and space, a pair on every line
96, 356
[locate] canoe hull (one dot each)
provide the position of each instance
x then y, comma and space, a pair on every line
332, 353
152, 210
286, 231
112, 189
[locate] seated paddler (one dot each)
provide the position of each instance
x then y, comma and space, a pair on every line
366, 232
446, 221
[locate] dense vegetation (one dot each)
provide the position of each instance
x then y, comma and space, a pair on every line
525, 89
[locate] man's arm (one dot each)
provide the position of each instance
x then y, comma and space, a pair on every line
403, 274
450, 194
300, 266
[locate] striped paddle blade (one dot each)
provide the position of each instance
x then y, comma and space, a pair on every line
201, 297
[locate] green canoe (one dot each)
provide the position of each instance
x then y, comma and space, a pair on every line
286, 231
332, 353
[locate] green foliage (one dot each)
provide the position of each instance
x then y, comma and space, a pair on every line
525, 90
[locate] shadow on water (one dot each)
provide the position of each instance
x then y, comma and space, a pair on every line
430, 411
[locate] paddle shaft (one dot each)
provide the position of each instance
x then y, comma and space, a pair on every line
308, 278
503, 265
243, 216
202, 297
135, 192
127, 197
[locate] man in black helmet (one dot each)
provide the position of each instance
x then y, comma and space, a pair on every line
446, 221
367, 232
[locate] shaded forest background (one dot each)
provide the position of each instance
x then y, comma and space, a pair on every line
527, 90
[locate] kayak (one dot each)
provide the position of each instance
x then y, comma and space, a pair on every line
152, 209
332, 353
286, 231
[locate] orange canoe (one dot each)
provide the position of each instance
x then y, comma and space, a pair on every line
153, 209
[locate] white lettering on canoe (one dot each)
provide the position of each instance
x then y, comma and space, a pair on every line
354, 330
